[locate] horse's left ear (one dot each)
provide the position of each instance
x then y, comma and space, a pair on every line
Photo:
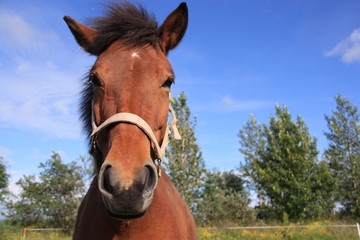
173, 28
84, 35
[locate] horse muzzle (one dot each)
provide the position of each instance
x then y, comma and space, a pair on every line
123, 198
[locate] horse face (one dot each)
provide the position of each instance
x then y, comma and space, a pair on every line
134, 79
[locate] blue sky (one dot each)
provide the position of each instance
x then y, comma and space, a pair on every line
237, 58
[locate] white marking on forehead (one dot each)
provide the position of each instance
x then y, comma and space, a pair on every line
135, 55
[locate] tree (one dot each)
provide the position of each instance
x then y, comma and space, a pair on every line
281, 161
233, 182
4, 179
252, 142
224, 200
343, 154
87, 169
185, 164
50, 200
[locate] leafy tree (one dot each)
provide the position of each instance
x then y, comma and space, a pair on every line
343, 154
233, 182
224, 200
87, 169
4, 179
185, 164
281, 161
50, 200
252, 141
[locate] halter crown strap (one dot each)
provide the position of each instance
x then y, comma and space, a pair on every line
131, 118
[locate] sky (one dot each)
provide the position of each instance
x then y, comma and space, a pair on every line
238, 57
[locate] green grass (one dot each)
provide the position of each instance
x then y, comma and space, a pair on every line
314, 232
10, 232
18, 235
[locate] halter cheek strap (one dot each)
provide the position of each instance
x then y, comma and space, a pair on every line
130, 118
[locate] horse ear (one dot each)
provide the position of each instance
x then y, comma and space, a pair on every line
173, 28
84, 35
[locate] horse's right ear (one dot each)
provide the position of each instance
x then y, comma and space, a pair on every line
173, 29
84, 35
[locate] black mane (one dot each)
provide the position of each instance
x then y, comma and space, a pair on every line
122, 21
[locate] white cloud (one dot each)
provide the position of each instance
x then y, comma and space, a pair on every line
39, 90
46, 103
17, 34
4, 152
22, 67
230, 104
62, 106
36, 151
348, 49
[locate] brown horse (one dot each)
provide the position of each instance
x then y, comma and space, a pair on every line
124, 109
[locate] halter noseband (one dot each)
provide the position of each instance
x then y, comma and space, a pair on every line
130, 118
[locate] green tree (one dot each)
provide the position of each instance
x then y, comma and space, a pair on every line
281, 160
87, 169
50, 200
4, 179
224, 200
343, 154
252, 144
233, 182
185, 164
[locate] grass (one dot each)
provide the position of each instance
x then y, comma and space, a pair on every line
313, 232
18, 235
9, 232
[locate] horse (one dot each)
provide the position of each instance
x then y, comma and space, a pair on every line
124, 109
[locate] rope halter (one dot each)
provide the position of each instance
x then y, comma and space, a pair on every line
130, 118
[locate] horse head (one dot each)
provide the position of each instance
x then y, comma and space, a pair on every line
131, 75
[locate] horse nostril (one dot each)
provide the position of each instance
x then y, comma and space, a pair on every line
106, 180
149, 177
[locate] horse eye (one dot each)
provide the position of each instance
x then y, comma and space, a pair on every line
94, 80
168, 83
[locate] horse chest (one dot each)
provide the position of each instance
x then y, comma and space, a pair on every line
163, 221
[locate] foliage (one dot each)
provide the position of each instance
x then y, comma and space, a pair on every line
224, 200
343, 154
87, 169
233, 182
252, 141
4, 179
212, 196
185, 164
50, 200
281, 162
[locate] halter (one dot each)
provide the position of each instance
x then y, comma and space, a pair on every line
130, 118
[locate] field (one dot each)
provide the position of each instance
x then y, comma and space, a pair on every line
18, 235
310, 233
314, 232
